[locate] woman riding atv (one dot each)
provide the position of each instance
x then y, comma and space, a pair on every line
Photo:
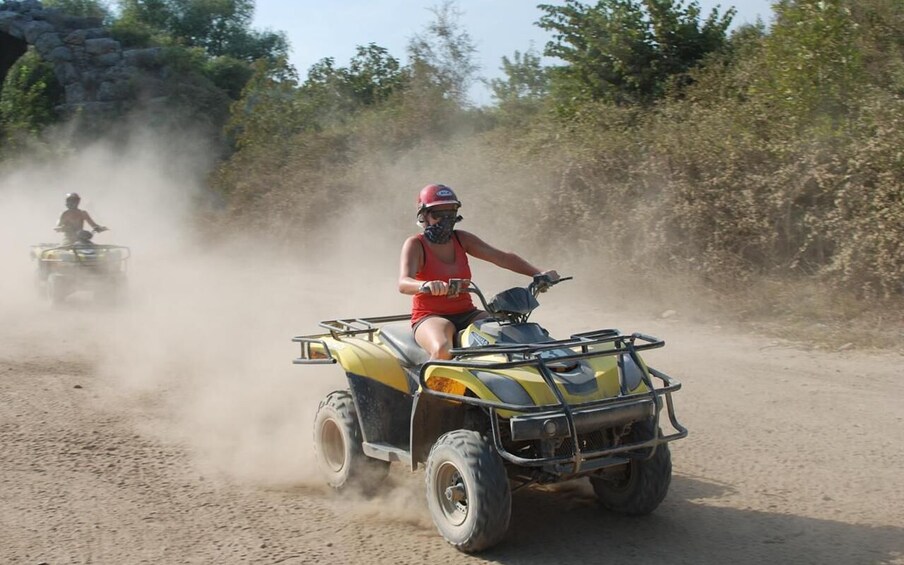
430, 259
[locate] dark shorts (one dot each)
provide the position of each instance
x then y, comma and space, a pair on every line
460, 321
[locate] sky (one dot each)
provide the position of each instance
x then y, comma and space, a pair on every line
317, 29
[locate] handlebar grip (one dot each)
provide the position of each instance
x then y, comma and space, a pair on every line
454, 287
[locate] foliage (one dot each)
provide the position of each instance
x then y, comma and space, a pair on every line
220, 27
83, 8
660, 144
29, 95
522, 93
812, 63
442, 57
371, 77
268, 112
625, 51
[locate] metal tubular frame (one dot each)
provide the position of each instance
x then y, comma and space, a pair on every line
529, 357
123, 261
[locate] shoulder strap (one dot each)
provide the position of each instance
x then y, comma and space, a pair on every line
420, 239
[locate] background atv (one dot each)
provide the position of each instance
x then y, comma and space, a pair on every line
81, 266
512, 408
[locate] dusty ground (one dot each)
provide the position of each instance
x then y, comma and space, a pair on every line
794, 456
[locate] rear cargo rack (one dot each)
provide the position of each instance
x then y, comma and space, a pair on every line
357, 326
349, 327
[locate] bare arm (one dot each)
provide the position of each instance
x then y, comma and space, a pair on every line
475, 246
88, 219
412, 257
410, 264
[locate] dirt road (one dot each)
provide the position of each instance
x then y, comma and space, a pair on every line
794, 456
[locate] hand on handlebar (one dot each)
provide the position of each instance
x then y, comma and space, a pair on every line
435, 288
442, 288
543, 281
99, 229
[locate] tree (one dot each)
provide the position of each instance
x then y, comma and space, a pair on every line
220, 27
629, 51
813, 68
443, 56
29, 95
268, 112
370, 78
524, 88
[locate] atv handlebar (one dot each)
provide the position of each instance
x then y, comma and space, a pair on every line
542, 283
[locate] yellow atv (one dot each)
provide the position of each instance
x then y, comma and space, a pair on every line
80, 266
513, 407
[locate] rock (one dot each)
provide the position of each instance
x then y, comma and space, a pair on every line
7, 20
96, 73
147, 58
109, 92
75, 93
77, 37
61, 54
66, 73
846, 346
669, 314
33, 30
108, 59
101, 46
47, 42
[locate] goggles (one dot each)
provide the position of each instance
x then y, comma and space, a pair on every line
442, 214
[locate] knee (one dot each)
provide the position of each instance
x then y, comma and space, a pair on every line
440, 350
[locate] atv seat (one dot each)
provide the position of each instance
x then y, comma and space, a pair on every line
400, 339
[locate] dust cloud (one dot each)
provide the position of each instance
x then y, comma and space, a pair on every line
203, 341
202, 344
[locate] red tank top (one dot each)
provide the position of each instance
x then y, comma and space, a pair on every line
434, 269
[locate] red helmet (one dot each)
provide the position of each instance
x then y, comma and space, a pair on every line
435, 195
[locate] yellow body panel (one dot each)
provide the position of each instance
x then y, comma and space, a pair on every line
366, 358
606, 369
371, 359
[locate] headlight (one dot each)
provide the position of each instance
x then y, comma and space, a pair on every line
631, 373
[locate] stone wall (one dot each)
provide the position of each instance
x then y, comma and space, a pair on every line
97, 74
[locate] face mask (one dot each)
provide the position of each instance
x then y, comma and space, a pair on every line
71, 204
441, 231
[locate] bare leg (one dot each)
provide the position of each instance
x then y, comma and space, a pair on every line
436, 335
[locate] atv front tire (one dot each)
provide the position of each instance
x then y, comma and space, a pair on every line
641, 486
337, 446
468, 491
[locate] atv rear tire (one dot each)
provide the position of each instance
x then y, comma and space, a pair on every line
337, 446
468, 491
643, 484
